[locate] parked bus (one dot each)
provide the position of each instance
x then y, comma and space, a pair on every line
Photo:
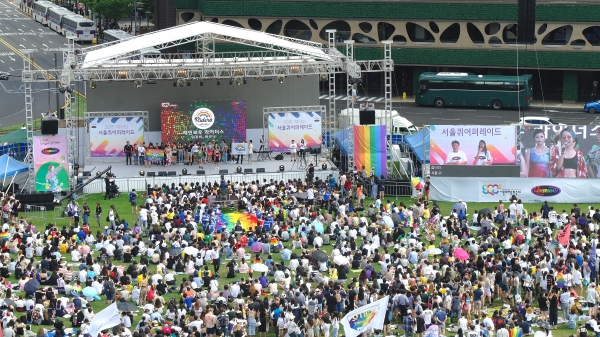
78, 28
55, 16
40, 11
470, 90
119, 35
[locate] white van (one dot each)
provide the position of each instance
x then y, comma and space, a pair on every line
400, 125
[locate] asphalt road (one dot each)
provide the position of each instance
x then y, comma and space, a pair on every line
420, 115
18, 32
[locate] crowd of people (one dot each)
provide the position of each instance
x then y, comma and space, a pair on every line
304, 264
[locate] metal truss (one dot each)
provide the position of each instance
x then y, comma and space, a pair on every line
26, 76
110, 114
66, 77
330, 121
387, 71
350, 105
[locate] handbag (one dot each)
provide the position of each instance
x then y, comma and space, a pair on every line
107, 218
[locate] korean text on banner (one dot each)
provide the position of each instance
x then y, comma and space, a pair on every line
370, 148
105, 319
285, 127
51, 163
472, 145
108, 136
370, 316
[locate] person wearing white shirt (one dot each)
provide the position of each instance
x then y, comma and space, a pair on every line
235, 290
75, 255
293, 148
294, 264
82, 276
318, 241
456, 157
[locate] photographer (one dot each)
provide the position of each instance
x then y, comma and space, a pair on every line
311, 173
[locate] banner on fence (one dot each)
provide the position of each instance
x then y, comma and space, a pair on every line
51, 163
492, 189
203, 121
296, 126
108, 136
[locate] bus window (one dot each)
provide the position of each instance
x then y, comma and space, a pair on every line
455, 85
509, 86
437, 84
422, 87
86, 24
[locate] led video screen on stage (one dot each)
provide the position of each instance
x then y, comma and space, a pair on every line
108, 136
296, 126
203, 121
51, 163
473, 150
560, 151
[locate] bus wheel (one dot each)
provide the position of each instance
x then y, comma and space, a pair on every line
592, 110
439, 103
497, 104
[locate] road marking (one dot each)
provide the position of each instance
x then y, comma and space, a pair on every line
1, 61
446, 119
550, 110
461, 110
7, 53
362, 99
11, 69
379, 99
33, 45
322, 96
12, 59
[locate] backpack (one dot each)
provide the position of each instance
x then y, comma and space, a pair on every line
223, 321
498, 322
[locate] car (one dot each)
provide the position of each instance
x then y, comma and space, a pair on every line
592, 107
3, 76
536, 120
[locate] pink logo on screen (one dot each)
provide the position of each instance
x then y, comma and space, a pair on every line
203, 118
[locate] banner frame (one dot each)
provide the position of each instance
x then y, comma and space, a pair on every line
288, 109
109, 114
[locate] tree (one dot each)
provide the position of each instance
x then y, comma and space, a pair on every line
111, 9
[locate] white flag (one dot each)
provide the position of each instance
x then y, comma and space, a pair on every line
105, 319
366, 317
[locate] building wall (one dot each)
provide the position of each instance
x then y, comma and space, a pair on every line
120, 96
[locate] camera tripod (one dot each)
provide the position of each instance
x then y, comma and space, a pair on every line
301, 161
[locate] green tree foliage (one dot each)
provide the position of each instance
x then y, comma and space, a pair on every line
111, 9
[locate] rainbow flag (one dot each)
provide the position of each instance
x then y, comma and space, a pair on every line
230, 219
560, 280
5, 236
370, 149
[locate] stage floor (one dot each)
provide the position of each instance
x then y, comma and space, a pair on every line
121, 170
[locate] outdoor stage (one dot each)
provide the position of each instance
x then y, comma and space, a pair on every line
128, 176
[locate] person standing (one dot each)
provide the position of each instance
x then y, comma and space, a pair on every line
293, 148
594, 87
128, 148
239, 158
98, 213
133, 201
302, 150
142, 153
86, 213
250, 150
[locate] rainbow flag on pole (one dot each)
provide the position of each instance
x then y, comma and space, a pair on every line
370, 149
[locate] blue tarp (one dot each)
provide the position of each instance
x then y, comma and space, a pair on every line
10, 166
419, 144
341, 138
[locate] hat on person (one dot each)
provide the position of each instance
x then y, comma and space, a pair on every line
409, 311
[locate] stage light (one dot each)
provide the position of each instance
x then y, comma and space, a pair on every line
280, 79
244, 80
122, 74
218, 81
238, 169
184, 172
231, 81
61, 90
181, 73
174, 83
238, 71
257, 77
238, 80
281, 168
201, 83
324, 167
294, 69
188, 82
137, 83
142, 173
299, 76
180, 82
93, 84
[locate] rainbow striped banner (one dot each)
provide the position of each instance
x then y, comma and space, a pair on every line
369, 148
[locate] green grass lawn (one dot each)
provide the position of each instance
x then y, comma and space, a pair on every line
124, 210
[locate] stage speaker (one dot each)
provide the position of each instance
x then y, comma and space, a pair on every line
260, 170
526, 22
200, 172
151, 174
50, 127
223, 171
279, 157
366, 117
248, 170
61, 113
171, 173
162, 173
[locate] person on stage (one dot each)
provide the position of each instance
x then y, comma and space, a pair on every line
302, 149
128, 149
250, 149
566, 161
293, 148
456, 157
483, 156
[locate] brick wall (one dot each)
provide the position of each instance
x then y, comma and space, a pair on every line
387, 10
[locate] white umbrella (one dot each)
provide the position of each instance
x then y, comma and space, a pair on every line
388, 221
189, 250
259, 267
433, 251
340, 260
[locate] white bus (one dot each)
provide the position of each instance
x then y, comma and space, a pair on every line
40, 11
119, 35
55, 16
78, 28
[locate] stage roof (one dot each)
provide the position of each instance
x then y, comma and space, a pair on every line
188, 33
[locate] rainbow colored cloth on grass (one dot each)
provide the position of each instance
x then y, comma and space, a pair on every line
5, 236
370, 149
230, 219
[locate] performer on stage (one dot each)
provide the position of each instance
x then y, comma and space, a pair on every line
302, 149
128, 148
293, 148
262, 143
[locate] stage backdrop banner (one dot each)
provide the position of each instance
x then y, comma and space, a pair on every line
288, 126
539, 152
499, 145
239, 149
527, 189
370, 149
203, 121
51, 163
108, 136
